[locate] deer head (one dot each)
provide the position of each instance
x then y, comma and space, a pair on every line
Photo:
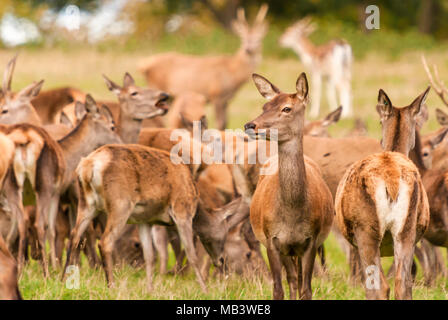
428, 145
138, 103
17, 107
100, 120
399, 124
302, 28
213, 227
284, 112
251, 37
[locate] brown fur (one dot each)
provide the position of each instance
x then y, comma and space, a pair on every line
361, 212
9, 289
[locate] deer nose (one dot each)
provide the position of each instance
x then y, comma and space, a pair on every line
250, 126
248, 255
164, 96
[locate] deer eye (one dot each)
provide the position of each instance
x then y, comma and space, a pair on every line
134, 93
286, 110
425, 154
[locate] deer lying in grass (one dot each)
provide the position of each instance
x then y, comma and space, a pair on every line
332, 61
381, 204
143, 186
216, 77
292, 210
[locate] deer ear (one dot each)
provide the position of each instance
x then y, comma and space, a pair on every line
105, 112
31, 91
128, 80
64, 119
266, 89
384, 106
332, 117
435, 141
7, 76
80, 110
302, 86
417, 104
91, 104
112, 86
442, 117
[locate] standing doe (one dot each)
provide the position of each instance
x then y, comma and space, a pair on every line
292, 210
381, 205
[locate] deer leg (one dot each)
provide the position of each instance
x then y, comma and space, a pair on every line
291, 275
345, 97
185, 228
403, 256
116, 222
308, 259
20, 217
40, 223
160, 240
316, 92
90, 247
375, 282
144, 231
356, 275
276, 269
331, 94
221, 114
86, 213
52, 215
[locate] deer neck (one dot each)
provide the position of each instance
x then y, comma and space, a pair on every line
128, 128
292, 173
79, 143
244, 63
305, 49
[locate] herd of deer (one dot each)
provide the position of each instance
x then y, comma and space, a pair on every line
76, 169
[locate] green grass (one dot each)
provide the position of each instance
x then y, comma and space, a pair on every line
131, 284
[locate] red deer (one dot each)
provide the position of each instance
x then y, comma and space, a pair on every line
216, 77
292, 210
381, 205
143, 186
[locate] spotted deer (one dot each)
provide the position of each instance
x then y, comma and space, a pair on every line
381, 205
292, 210
331, 61
218, 78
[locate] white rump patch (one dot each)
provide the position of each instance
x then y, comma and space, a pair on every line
392, 214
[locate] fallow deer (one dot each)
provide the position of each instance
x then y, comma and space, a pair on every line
381, 205
216, 77
292, 210
332, 61
143, 186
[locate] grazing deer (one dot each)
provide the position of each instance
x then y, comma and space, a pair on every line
9, 289
218, 78
292, 210
381, 204
143, 186
331, 61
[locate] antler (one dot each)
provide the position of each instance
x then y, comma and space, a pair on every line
7, 75
439, 86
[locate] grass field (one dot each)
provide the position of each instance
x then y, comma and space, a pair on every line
402, 78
